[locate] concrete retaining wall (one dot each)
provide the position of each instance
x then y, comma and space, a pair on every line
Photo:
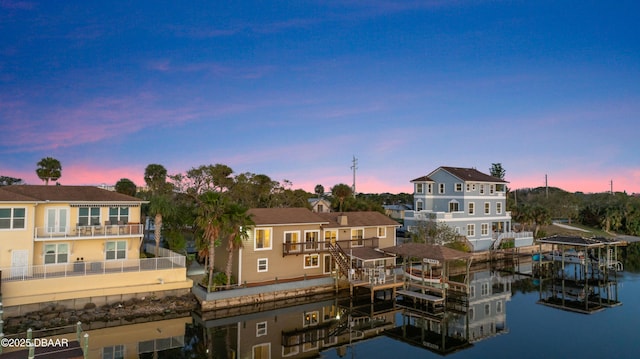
267, 293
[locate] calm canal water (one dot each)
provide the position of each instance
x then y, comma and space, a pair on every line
504, 319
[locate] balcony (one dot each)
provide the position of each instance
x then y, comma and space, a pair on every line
167, 260
323, 246
88, 232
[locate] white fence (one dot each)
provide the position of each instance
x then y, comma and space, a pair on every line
166, 260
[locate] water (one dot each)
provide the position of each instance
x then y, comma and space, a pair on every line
504, 320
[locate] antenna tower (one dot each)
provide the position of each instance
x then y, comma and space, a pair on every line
354, 167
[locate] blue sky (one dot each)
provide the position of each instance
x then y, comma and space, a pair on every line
295, 89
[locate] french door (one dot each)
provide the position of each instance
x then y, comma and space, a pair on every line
57, 220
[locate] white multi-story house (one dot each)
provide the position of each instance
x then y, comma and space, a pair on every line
469, 201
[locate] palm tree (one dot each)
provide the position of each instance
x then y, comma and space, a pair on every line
210, 219
48, 169
236, 223
155, 176
341, 191
159, 206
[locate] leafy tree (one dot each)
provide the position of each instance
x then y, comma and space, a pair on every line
49, 169
433, 232
126, 186
341, 191
319, 190
205, 178
8, 181
497, 171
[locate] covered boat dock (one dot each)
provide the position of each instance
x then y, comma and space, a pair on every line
430, 257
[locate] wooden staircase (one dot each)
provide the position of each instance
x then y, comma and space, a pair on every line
340, 258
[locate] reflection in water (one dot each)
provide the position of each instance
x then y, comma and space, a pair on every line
331, 326
312, 328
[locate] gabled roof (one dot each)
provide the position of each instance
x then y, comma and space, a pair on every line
469, 174
40, 193
315, 200
358, 219
283, 216
422, 179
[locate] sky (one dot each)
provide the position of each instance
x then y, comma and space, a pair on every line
297, 89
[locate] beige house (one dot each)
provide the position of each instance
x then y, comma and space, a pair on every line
320, 205
289, 244
77, 244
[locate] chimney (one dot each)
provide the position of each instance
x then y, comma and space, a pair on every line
342, 220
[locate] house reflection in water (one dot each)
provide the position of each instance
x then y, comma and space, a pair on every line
299, 331
307, 330
463, 321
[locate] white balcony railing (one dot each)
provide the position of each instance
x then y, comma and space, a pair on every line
165, 260
85, 232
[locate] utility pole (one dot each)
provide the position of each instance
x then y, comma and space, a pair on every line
546, 186
611, 186
354, 167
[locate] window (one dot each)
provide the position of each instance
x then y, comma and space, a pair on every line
56, 253
429, 188
471, 230
89, 216
472, 209
487, 309
484, 229
114, 352
12, 218
419, 187
261, 329
382, 232
458, 187
310, 318
263, 238
116, 250
320, 208
291, 240
357, 234
491, 189
263, 265
311, 261
453, 206
419, 206
472, 292
487, 208
441, 188
481, 189
499, 307
261, 351
330, 237
484, 289
468, 187
329, 264
499, 208
290, 345
118, 215
311, 239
